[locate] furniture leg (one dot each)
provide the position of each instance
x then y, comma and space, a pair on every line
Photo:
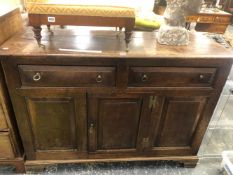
190, 163
128, 34
35, 168
19, 167
49, 29
188, 25
118, 31
37, 34
17, 163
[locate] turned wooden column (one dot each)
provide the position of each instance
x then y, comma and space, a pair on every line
128, 32
37, 34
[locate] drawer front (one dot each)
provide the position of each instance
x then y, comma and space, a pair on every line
215, 28
6, 149
191, 18
206, 19
66, 76
222, 19
3, 124
171, 77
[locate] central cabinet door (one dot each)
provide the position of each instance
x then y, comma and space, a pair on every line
115, 122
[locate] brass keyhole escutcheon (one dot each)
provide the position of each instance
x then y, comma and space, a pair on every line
99, 79
201, 77
91, 128
144, 77
36, 77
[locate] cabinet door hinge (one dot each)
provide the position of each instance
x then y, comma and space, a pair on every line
145, 142
152, 102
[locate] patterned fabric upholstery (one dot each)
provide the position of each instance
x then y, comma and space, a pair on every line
46, 7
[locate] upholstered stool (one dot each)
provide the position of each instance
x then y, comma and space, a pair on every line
45, 12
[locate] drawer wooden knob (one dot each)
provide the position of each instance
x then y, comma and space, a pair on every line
91, 129
37, 76
144, 77
99, 79
201, 77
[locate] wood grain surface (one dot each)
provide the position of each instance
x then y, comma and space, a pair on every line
67, 118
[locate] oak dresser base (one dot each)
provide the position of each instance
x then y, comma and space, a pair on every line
18, 163
40, 165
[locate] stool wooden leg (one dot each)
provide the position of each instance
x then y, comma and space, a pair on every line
128, 34
49, 29
37, 34
118, 31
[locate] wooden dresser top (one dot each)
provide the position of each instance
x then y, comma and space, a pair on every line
107, 44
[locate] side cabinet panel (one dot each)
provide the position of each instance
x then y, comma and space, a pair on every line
53, 122
56, 125
180, 117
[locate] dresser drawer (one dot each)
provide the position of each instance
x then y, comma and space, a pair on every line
191, 18
171, 77
3, 124
6, 149
66, 76
222, 19
205, 19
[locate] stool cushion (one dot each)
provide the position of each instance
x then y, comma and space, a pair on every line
44, 7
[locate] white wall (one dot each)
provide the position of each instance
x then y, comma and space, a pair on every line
6, 5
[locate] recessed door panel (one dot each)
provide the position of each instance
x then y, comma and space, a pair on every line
114, 122
118, 123
179, 120
53, 123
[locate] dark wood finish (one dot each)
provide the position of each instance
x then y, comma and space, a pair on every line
37, 34
62, 128
39, 166
18, 163
177, 130
213, 21
3, 122
11, 151
114, 122
67, 76
36, 20
163, 118
5, 146
171, 77
56, 126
